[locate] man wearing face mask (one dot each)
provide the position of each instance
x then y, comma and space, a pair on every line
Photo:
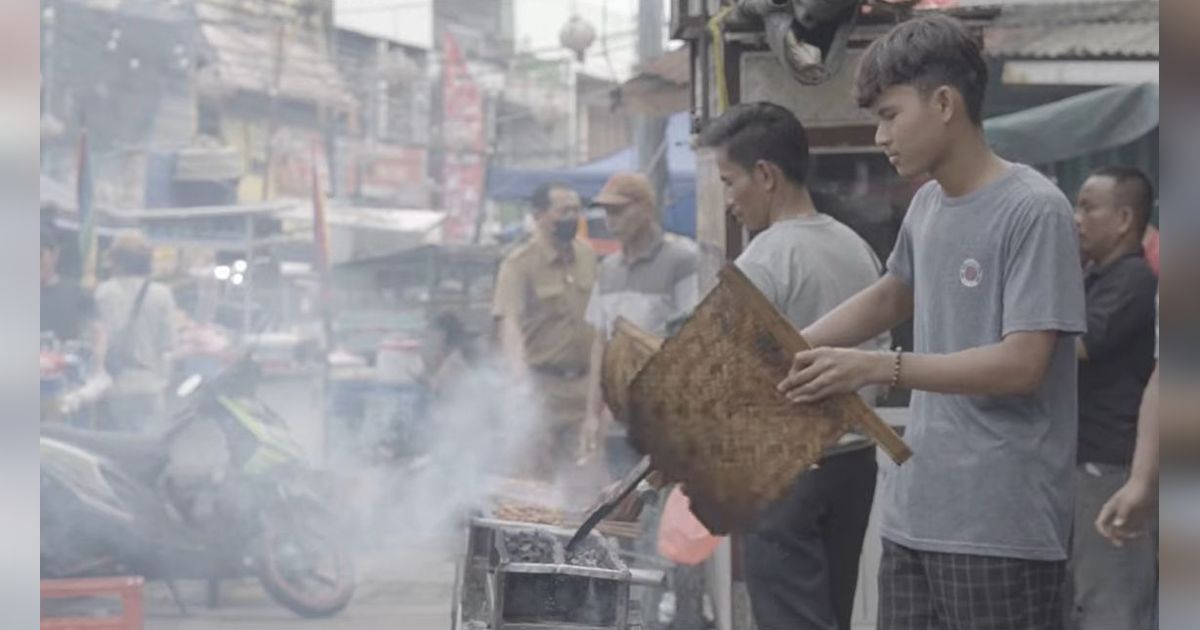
541, 295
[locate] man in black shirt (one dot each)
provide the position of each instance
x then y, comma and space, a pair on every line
65, 307
1114, 587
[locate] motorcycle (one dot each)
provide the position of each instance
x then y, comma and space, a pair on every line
224, 493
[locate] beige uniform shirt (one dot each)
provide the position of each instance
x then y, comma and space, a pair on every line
546, 293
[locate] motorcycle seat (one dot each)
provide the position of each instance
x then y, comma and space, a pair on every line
142, 456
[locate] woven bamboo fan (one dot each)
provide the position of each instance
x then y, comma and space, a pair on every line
706, 410
624, 356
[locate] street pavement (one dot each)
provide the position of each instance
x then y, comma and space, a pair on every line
404, 585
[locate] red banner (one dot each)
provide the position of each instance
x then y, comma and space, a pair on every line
464, 139
463, 176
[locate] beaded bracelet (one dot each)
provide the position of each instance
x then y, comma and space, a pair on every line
896, 369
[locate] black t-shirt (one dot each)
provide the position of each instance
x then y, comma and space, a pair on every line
1120, 346
65, 307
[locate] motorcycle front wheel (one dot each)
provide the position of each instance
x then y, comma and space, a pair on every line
305, 570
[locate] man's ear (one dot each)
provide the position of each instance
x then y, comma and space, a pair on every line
945, 102
765, 173
1127, 218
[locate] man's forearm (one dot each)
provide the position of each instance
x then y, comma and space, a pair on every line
1013, 367
99, 339
512, 344
992, 370
595, 396
871, 312
1145, 454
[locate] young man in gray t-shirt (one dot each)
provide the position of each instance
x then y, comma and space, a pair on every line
801, 559
976, 524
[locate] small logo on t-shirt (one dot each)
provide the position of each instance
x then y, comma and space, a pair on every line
970, 273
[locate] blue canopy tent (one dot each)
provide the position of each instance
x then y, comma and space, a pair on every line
679, 211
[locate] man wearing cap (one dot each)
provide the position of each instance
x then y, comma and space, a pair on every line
138, 318
652, 280
541, 293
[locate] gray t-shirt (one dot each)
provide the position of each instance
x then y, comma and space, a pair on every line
991, 475
808, 266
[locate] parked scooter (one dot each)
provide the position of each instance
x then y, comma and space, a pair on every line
224, 493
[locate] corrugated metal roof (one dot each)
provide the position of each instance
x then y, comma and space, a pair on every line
244, 48
660, 86
997, 3
672, 67
1058, 30
1058, 13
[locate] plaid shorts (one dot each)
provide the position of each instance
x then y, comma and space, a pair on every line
921, 590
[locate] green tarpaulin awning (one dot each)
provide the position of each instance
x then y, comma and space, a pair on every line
1076, 126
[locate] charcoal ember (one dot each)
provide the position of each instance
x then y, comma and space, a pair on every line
592, 557
589, 553
534, 547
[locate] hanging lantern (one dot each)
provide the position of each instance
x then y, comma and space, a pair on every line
577, 35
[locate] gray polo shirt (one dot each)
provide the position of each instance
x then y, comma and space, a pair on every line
990, 475
806, 267
648, 290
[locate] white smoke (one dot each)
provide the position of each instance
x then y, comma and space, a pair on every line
481, 429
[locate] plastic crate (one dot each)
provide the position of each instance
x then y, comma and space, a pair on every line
126, 589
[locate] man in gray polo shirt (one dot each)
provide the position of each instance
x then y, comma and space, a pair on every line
652, 280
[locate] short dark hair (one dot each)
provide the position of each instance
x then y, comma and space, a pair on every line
540, 199
925, 52
750, 132
1133, 189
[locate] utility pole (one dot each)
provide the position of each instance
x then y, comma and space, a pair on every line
650, 131
273, 94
